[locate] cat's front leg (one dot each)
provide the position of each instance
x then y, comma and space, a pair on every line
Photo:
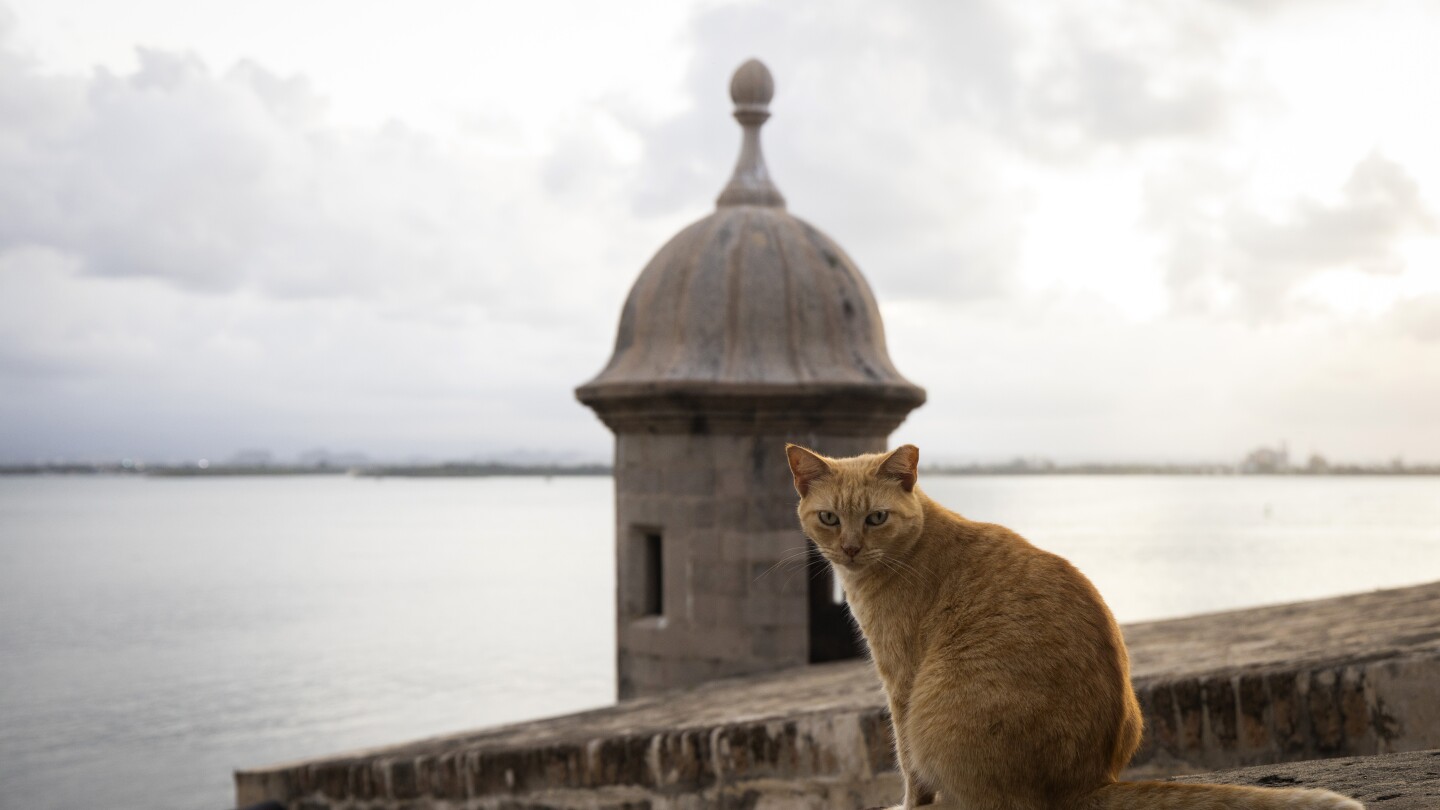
916, 793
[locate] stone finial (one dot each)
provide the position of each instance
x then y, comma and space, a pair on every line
751, 88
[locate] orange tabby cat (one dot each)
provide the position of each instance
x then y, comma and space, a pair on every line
1008, 680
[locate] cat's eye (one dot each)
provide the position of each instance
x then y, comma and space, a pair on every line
829, 518
876, 518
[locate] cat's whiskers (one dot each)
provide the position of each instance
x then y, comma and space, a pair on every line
816, 562
801, 558
919, 578
911, 575
792, 555
895, 566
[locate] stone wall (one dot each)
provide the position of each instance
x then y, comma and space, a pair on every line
1340, 677
724, 508
1288, 713
1409, 781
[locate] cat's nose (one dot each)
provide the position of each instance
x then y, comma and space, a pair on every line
851, 550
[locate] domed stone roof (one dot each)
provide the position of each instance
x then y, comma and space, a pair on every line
747, 305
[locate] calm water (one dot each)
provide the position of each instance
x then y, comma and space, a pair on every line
155, 634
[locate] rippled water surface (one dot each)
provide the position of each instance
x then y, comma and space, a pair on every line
156, 634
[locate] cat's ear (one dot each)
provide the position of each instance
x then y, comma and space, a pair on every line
903, 464
806, 466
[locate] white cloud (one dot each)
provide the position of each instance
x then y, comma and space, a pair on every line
191, 259
219, 183
1419, 317
1226, 252
1083, 227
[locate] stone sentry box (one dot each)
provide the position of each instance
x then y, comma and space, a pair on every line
749, 329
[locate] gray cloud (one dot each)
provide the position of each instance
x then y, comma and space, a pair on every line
218, 183
1076, 83
199, 260
193, 261
158, 174
1089, 96
1378, 203
1418, 317
904, 137
857, 143
1226, 253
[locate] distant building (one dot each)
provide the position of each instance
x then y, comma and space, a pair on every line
320, 457
251, 458
1263, 460
750, 328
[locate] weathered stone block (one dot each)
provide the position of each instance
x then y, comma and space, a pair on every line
774, 543
1219, 697
683, 759
776, 642
718, 578
691, 481
363, 781
1162, 723
1406, 705
700, 513
766, 610
1190, 708
712, 610
447, 780
1254, 709
879, 736
1286, 702
616, 761
1355, 712
402, 781
1327, 727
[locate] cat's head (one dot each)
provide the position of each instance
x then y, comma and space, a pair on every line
862, 511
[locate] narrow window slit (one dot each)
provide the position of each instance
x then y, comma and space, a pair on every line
653, 603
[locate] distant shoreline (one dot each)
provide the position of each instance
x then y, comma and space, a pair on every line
485, 470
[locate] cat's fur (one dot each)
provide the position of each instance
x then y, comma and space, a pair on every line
1007, 677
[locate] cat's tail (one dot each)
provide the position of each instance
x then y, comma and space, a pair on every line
1177, 796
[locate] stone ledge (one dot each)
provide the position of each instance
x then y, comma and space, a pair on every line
1409, 781
1305, 710
1337, 677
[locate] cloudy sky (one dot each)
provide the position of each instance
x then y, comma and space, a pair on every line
1157, 231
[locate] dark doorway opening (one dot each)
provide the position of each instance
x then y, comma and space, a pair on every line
833, 635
